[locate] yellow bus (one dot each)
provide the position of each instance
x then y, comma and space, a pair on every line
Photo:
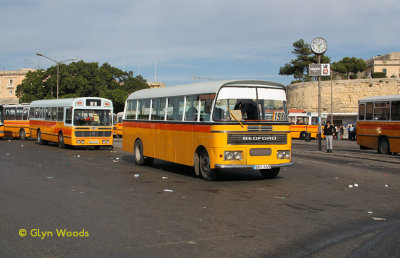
16, 121
117, 128
210, 126
378, 124
85, 121
1, 122
302, 123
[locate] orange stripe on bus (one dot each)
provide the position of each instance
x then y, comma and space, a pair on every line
380, 126
172, 127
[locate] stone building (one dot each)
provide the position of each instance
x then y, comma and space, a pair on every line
9, 81
156, 84
388, 64
346, 93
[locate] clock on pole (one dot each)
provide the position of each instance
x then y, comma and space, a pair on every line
319, 46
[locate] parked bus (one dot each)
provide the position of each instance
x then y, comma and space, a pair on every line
74, 121
378, 124
1, 122
117, 128
16, 121
210, 125
302, 123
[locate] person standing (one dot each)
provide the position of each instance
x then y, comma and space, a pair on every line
329, 131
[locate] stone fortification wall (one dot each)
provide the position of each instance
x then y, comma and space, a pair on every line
346, 93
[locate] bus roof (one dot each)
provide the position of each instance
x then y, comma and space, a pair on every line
380, 98
67, 102
200, 88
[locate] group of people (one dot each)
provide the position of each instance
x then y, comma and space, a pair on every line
331, 132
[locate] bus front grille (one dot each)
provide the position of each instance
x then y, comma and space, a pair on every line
257, 139
92, 133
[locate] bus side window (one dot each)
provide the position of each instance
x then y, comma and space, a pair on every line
60, 114
361, 112
395, 110
19, 113
68, 116
206, 102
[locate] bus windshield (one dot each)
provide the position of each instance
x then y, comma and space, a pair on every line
90, 117
250, 104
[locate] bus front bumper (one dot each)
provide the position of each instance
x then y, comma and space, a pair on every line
252, 166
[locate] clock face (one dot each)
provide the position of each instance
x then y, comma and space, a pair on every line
318, 46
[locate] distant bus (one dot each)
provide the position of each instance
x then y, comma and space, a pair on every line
1, 121
75, 121
211, 125
303, 123
117, 128
16, 121
378, 124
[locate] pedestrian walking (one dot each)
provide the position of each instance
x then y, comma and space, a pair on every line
329, 131
352, 133
341, 132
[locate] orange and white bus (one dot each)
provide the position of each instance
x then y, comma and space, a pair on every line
211, 125
378, 124
303, 123
117, 128
16, 121
1, 121
85, 121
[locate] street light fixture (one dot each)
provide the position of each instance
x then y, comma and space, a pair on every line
58, 68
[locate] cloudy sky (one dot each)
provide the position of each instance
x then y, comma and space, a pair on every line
173, 40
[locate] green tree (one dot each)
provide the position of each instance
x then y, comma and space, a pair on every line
348, 66
81, 79
299, 67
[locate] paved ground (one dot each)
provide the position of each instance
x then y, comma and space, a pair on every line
326, 205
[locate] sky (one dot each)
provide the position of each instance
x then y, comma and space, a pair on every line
181, 41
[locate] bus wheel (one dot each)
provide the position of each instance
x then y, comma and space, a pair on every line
270, 173
61, 143
303, 135
204, 166
383, 146
22, 134
39, 138
138, 153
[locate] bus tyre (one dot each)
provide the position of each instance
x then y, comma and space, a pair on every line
61, 143
383, 146
270, 173
204, 166
303, 135
39, 138
22, 134
141, 160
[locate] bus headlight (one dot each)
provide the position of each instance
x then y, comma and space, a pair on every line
233, 155
283, 154
105, 141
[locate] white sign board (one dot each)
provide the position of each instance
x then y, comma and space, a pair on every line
319, 69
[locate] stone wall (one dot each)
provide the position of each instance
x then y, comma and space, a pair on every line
346, 93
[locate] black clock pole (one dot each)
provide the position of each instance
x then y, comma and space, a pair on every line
319, 108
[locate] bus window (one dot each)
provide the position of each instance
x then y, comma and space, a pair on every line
60, 114
144, 109
192, 104
396, 110
381, 111
361, 112
25, 114
131, 109
369, 111
10, 114
19, 113
206, 102
175, 108
158, 109
68, 116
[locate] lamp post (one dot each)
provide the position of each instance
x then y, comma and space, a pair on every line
58, 68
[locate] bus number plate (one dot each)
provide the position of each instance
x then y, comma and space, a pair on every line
262, 167
93, 141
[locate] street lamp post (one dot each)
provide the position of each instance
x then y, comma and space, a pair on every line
58, 68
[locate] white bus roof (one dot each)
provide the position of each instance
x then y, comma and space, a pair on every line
200, 88
67, 102
380, 98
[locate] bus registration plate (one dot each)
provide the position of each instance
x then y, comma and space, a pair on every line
262, 167
93, 141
